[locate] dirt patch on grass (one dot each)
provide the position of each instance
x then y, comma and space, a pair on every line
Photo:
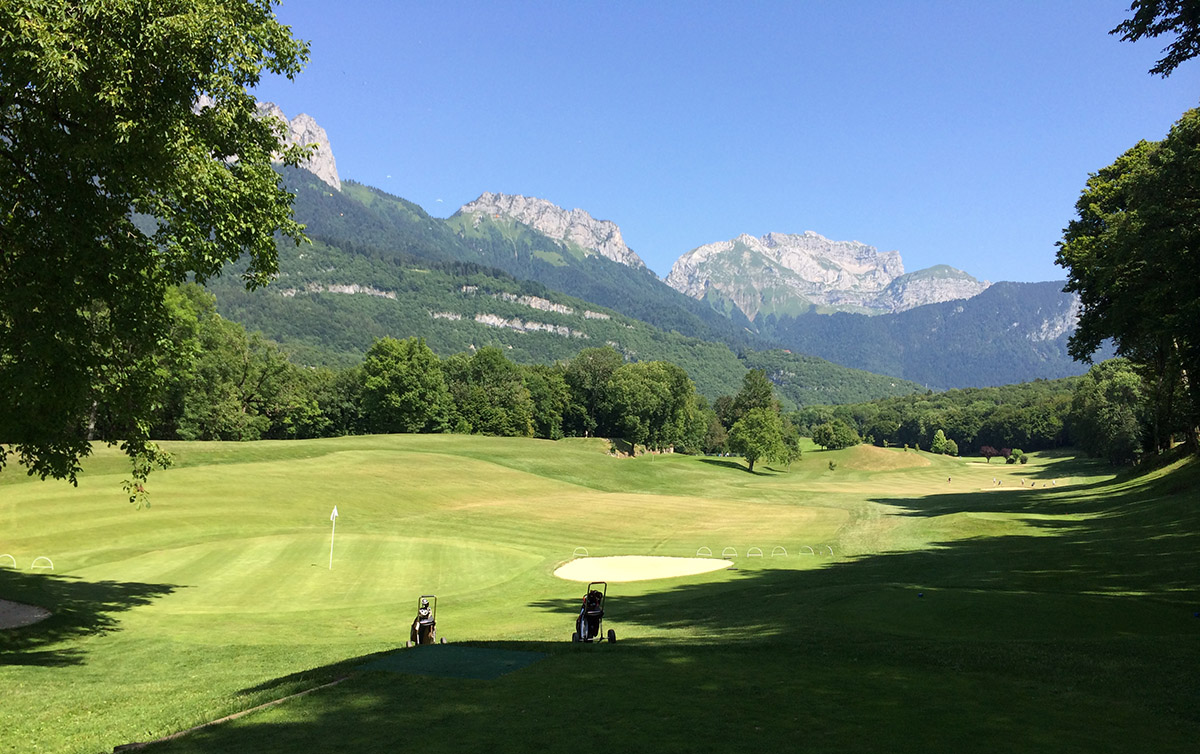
16, 614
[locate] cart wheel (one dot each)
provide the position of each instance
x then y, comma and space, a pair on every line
612, 635
574, 636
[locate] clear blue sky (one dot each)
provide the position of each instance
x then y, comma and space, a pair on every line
952, 132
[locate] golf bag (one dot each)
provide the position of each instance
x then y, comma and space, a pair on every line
422, 631
587, 625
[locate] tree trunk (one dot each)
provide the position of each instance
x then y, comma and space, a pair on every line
91, 430
1192, 439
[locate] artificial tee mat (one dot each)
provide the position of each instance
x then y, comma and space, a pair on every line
451, 661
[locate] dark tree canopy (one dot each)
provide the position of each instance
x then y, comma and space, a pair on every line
835, 435
110, 110
1131, 255
1153, 18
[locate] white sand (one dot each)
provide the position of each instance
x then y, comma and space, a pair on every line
636, 568
16, 614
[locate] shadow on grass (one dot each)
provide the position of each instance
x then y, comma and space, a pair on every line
79, 608
738, 466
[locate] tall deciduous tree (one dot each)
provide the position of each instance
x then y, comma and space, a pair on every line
652, 403
548, 390
587, 376
1106, 411
835, 435
758, 435
490, 394
404, 389
100, 118
1133, 256
240, 385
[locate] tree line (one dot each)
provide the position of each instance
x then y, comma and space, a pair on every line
221, 382
1110, 413
1031, 416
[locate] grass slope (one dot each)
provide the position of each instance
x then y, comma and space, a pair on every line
954, 614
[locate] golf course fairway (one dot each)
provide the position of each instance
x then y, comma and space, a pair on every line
899, 602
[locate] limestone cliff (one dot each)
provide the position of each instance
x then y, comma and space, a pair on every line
788, 274
600, 237
304, 130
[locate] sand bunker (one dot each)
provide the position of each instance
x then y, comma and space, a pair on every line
636, 568
16, 615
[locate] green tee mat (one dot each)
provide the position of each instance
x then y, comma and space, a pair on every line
451, 661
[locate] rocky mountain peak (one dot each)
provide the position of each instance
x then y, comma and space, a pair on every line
600, 237
789, 273
303, 129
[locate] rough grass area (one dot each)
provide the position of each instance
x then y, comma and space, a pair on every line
871, 458
902, 602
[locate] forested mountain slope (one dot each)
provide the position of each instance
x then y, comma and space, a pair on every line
403, 276
369, 221
1012, 332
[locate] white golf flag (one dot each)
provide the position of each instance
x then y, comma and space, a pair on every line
333, 518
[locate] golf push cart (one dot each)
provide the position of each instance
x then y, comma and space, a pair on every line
589, 624
424, 625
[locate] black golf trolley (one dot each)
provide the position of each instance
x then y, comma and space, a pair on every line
424, 626
589, 626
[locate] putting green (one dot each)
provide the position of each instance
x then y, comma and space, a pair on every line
288, 573
636, 568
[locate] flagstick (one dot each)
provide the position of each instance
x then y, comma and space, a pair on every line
332, 517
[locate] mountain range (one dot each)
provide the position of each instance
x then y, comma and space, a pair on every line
801, 296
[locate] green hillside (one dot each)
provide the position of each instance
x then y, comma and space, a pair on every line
367, 220
328, 306
992, 339
528, 254
380, 266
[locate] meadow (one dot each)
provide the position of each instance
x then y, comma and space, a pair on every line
901, 602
